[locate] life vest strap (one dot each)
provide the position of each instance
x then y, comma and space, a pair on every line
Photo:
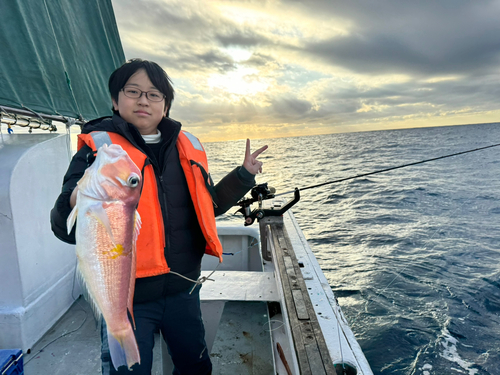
208, 180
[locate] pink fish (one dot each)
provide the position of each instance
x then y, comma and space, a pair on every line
107, 226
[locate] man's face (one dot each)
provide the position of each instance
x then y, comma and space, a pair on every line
143, 113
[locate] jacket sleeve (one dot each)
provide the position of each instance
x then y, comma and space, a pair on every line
232, 188
59, 214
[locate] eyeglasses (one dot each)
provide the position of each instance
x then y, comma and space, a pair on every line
133, 93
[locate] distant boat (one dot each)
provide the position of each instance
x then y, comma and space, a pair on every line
269, 308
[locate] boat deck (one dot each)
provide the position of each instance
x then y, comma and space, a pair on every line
261, 317
76, 353
242, 344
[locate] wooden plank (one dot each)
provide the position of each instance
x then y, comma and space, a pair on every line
312, 349
282, 242
312, 352
290, 270
318, 333
300, 305
287, 291
315, 360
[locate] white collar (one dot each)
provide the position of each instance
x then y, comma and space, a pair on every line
152, 138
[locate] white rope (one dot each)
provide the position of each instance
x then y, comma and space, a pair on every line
200, 280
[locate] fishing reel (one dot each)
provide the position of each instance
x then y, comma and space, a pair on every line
260, 193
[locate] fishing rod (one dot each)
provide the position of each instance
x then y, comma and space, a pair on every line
262, 192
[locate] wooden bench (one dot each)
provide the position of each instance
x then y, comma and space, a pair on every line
239, 286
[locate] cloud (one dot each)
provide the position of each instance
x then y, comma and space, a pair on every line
290, 107
420, 38
258, 67
241, 38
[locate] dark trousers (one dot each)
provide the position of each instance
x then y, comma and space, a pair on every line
178, 318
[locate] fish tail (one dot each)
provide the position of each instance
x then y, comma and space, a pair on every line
123, 349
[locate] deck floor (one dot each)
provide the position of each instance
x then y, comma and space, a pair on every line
242, 345
76, 353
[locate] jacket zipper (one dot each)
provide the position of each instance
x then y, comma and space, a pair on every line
164, 211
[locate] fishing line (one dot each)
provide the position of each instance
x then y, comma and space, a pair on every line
389, 169
252, 244
269, 322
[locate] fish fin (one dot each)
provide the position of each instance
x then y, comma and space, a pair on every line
123, 350
100, 213
131, 290
88, 297
137, 229
116, 352
137, 225
70, 222
130, 302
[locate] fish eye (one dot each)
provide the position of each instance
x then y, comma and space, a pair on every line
133, 181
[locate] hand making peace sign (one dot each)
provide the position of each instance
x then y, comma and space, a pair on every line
251, 163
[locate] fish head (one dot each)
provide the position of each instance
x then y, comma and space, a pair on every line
112, 176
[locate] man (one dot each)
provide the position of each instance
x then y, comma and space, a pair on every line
178, 207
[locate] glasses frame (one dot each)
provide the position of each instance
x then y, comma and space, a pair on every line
144, 92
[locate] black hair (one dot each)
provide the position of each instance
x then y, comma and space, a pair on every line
156, 74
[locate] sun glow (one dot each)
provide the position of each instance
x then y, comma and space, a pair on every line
238, 54
242, 81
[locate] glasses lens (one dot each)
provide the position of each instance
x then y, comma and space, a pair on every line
154, 96
132, 93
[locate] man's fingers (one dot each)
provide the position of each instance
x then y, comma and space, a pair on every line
259, 151
247, 151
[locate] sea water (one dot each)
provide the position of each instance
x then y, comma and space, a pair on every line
413, 254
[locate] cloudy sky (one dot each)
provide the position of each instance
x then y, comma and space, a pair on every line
264, 69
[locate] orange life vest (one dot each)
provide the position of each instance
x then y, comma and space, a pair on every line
151, 241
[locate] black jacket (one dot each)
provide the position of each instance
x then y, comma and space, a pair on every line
185, 243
